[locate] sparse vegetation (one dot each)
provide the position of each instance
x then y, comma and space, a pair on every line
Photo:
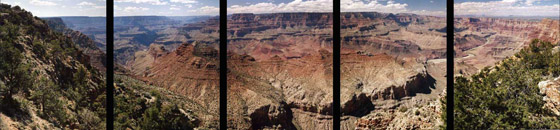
146, 110
65, 97
506, 96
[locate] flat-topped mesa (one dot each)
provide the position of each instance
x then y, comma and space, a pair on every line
403, 19
211, 25
241, 24
545, 29
501, 25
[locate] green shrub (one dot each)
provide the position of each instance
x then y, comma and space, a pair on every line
14, 73
506, 97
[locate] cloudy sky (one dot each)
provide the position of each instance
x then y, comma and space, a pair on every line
508, 7
166, 7
425, 7
46, 8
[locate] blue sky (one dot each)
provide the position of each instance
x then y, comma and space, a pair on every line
166, 7
47, 8
425, 7
550, 8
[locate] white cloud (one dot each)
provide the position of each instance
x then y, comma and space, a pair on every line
153, 2
135, 9
506, 8
185, 1
509, 1
431, 13
87, 3
389, 7
530, 2
294, 6
188, 5
42, 3
206, 10
174, 8
372, 6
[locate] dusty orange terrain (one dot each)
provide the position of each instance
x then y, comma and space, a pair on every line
280, 71
393, 70
481, 42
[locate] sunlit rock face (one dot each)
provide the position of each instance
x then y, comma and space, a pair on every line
551, 91
393, 70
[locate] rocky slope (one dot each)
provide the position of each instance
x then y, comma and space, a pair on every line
97, 58
481, 42
393, 70
94, 27
46, 80
280, 71
185, 69
137, 101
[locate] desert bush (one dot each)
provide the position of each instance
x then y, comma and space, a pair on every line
506, 96
13, 72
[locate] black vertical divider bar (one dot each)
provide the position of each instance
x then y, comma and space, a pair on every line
110, 80
223, 64
450, 61
336, 64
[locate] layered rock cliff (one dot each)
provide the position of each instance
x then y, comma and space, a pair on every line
280, 71
393, 66
481, 42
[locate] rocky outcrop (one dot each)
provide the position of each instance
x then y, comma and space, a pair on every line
143, 60
551, 91
419, 83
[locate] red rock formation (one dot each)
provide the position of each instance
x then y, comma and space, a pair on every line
481, 42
